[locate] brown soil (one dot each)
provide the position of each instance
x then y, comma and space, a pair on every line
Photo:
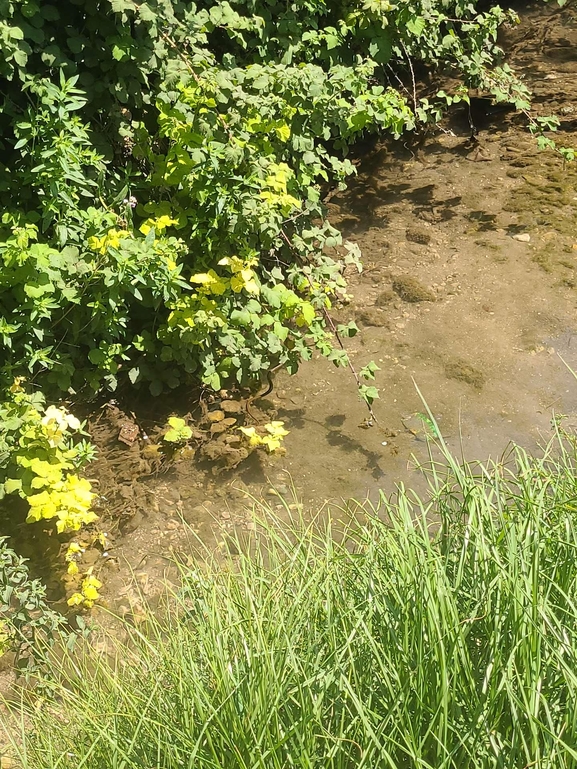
449, 301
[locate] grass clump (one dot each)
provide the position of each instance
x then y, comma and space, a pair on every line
396, 644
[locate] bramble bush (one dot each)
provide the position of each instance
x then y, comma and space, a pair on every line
162, 169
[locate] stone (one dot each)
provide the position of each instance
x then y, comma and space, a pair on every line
412, 290
417, 236
89, 557
373, 317
196, 514
465, 372
231, 407
279, 491
522, 237
384, 298
216, 416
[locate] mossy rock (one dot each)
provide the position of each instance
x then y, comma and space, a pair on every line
412, 290
463, 371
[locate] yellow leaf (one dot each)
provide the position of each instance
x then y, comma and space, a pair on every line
146, 226
234, 262
251, 286
90, 587
159, 224
283, 132
271, 443
211, 282
252, 435
75, 599
95, 243
17, 385
276, 428
163, 222
91, 593
237, 284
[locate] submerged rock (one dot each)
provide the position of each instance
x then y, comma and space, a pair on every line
412, 290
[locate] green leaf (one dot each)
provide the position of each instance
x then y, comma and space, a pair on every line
96, 356
34, 291
213, 381
416, 25
242, 317
50, 12
368, 371
119, 53
12, 485
121, 6
349, 330
368, 393
20, 57
76, 44
155, 387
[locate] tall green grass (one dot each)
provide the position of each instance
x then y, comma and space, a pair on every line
396, 644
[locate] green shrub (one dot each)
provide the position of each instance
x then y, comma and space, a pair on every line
402, 644
27, 624
147, 145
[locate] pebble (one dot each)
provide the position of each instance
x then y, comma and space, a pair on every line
279, 491
216, 416
6, 763
231, 407
225, 515
522, 237
194, 514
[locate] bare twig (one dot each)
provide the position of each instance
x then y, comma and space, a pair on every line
412, 76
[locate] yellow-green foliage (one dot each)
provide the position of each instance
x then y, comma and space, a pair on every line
272, 439
39, 460
88, 593
4, 637
178, 431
